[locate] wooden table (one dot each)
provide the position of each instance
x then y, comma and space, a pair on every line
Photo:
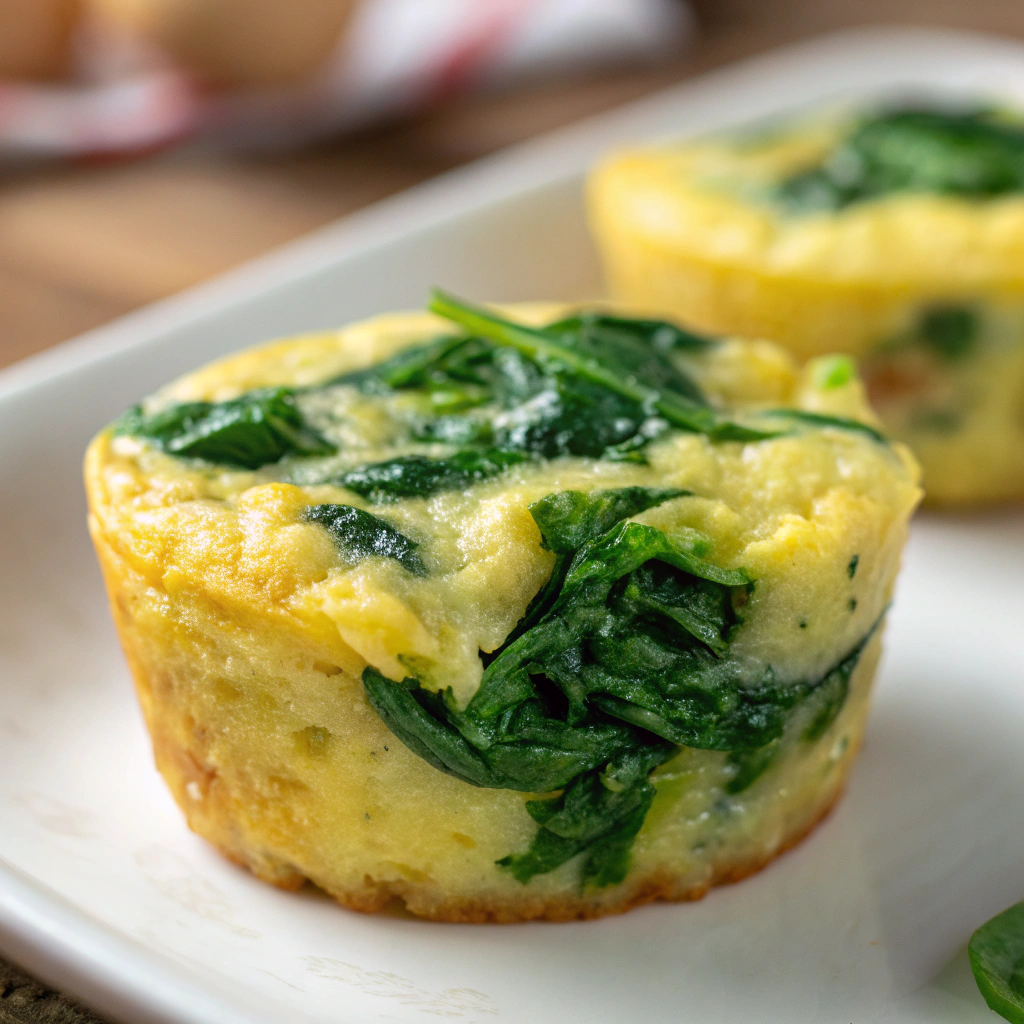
80, 245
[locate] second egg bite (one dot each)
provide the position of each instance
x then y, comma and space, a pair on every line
894, 235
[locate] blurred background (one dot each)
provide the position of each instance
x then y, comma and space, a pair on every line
146, 145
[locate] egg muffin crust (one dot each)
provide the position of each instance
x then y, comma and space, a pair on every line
893, 235
540, 613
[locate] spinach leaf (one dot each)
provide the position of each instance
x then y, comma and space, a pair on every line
257, 428
455, 429
593, 385
627, 546
623, 658
701, 609
447, 369
949, 331
659, 334
526, 748
996, 951
529, 409
914, 149
416, 476
832, 691
572, 417
637, 347
600, 812
361, 534
823, 421
638, 374
568, 519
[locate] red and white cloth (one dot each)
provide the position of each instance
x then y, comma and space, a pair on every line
397, 56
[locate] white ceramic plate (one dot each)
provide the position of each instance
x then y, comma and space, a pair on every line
104, 892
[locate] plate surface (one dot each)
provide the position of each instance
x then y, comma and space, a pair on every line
104, 892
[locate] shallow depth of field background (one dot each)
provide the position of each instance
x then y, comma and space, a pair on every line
87, 237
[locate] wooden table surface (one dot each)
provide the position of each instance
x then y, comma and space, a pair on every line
80, 245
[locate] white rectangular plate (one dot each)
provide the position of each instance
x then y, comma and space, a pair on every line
103, 890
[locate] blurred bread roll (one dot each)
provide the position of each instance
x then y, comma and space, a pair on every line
236, 42
35, 37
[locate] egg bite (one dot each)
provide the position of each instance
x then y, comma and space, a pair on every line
895, 235
534, 613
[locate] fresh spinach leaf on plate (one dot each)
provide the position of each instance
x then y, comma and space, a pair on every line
996, 952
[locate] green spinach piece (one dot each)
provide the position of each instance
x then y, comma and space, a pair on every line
823, 421
568, 519
635, 372
360, 534
914, 149
616, 389
573, 417
447, 369
624, 659
659, 334
599, 813
417, 476
455, 429
949, 331
527, 746
637, 347
257, 428
527, 409
996, 952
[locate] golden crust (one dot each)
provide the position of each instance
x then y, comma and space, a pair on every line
215, 823
656, 887
653, 888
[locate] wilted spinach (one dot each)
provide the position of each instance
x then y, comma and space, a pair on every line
480, 391
590, 385
950, 331
996, 951
659, 334
914, 149
823, 420
622, 659
257, 428
360, 533
614, 355
411, 476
